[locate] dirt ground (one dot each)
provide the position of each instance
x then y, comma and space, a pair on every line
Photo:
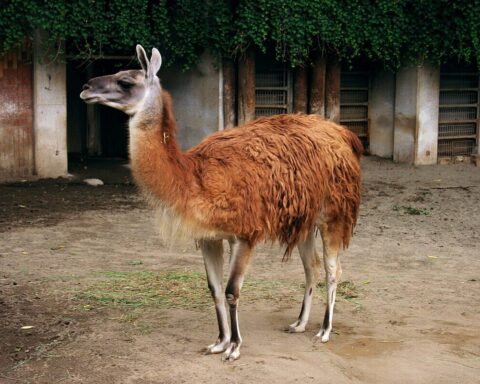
414, 315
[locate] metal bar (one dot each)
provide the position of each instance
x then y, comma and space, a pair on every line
458, 105
271, 88
460, 73
456, 121
363, 120
276, 106
457, 89
440, 137
354, 89
362, 104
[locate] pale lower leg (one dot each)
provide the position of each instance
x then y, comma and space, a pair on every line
333, 272
212, 251
240, 259
311, 262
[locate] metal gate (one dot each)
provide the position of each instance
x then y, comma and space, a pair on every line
459, 113
273, 88
16, 112
354, 95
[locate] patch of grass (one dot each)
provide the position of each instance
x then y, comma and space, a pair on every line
411, 210
188, 289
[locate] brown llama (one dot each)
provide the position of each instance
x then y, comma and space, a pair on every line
276, 178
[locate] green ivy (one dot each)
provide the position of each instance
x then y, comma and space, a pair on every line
393, 32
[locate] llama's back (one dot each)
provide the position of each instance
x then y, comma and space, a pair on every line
274, 177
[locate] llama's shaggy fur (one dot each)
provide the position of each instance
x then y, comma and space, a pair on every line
271, 179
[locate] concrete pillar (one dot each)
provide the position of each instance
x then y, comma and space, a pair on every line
50, 112
382, 112
428, 95
416, 115
405, 115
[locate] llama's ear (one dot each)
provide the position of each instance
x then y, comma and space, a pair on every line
142, 58
155, 62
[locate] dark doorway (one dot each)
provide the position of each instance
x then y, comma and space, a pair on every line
94, 131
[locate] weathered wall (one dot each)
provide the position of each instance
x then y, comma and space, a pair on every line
50, 114
16, 114
382, 113
405, 115
428, 93
416, 115
197, 102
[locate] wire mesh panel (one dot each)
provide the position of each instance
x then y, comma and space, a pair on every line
359, 128
456, 147
456, 129
354, 88
459, 113
272, 88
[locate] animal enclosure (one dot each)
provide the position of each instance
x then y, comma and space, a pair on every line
83, 267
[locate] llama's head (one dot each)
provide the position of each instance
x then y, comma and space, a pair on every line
125, 90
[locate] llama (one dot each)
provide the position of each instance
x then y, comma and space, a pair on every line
276, 178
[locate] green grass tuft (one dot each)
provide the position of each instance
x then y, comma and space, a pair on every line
188, 290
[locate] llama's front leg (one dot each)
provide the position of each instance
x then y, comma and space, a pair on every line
311, 263
331, 246
240, 259
212, 251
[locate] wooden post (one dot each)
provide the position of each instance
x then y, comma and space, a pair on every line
332, 90
317, 91
228, 94
246, 88
300, 90
94, 144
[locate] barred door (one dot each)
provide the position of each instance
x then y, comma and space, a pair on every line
273, 88
354, 95
459, 113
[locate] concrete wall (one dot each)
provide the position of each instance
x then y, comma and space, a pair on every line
197, 99
428, 93
50, 113
405, 115
382, 113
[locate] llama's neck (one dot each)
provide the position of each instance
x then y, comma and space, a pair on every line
158, 165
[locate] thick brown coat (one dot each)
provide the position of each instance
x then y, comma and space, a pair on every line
271, 179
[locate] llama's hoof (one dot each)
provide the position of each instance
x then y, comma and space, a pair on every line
296, 328
323, 335
232, 353
218, 347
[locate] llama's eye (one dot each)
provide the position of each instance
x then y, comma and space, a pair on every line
125, 83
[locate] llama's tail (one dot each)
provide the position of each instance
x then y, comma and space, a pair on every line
353, 140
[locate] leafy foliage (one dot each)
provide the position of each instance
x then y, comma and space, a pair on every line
390, 31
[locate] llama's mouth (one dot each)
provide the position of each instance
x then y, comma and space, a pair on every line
89, 99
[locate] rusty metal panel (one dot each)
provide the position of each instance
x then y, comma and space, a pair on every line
16, 113
459, 112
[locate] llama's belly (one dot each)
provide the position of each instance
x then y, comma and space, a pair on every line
173, 227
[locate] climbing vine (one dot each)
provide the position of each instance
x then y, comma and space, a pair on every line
389, 31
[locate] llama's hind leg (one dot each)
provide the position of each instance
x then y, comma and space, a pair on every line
212, 251
331, 246
311, 264
240, 258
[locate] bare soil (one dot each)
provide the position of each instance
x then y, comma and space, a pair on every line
414, 316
